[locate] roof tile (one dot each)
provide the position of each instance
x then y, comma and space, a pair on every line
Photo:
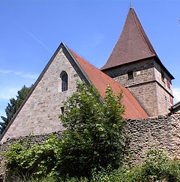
133, 110
132, 45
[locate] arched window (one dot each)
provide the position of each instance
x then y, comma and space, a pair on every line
64, 81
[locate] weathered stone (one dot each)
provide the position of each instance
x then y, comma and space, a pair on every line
143, 135
150, 133
40, 113
147, 86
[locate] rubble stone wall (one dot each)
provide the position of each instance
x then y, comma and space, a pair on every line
162, 132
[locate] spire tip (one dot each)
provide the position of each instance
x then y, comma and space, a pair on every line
130, 4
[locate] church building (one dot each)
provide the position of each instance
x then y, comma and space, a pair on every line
133, 67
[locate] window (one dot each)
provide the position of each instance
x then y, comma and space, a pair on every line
62, 110
162, 76
130, 75
64, 81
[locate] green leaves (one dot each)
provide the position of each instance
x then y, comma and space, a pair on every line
93, 138
35, 161
157, 166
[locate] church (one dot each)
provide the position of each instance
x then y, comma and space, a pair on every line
133, 67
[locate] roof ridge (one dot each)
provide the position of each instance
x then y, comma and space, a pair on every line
132, 45
142, 32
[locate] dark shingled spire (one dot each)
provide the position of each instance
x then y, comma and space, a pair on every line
132, 45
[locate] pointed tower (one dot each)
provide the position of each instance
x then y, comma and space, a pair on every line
135, 64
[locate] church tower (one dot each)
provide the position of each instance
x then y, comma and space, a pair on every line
135, 64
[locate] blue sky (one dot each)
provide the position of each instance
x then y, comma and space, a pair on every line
31, 30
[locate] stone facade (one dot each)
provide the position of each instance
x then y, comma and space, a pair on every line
150, 84
39, 115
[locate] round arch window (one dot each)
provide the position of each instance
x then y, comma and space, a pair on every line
64, 81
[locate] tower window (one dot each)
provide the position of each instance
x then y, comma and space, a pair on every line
130, 75
162, 76
64, 81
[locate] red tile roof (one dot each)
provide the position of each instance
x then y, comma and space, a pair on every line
133, 110
132, 45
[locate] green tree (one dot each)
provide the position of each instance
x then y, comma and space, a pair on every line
13, 106
93, 138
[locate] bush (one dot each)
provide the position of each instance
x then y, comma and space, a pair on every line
157, 166
93, 139
24, 160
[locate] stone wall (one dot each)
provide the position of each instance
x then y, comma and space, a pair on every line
146, 95
39, 115
162, 132
147, 86
143, 71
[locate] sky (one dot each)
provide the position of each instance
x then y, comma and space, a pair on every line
31, 31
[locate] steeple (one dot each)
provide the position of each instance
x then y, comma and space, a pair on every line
135, 65
132, 45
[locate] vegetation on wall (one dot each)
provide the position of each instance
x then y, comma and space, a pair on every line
92, 147
156, 166
12, 107
93, 139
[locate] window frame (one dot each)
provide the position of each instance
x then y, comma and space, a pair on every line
64, 81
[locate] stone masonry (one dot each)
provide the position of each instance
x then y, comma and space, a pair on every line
162, 132
150, 85
40, 113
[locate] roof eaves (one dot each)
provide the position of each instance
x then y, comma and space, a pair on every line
153, 56
74, 59
159, 61
176, 105
134, 61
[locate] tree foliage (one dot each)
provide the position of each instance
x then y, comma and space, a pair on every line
93, 139
26, 160
13, 106
91, 147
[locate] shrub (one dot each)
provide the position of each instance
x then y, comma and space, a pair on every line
35, 161
157, 166
94, 138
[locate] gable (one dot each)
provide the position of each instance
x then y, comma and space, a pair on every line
39, 113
